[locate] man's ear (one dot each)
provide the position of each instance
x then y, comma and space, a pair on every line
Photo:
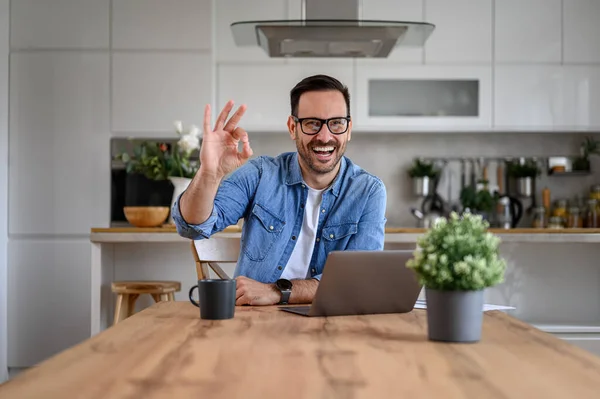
291, 124
350, 130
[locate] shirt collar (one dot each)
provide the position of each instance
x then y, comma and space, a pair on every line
294, 174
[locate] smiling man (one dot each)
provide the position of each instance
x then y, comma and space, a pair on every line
297, 207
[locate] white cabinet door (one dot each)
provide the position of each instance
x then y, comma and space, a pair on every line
151, 90
463, 32
229, 11
265, 89
547, 97
528, 31
59, 171
528, 97
59, 24
48, 298
159, 24
396, 10
403, 97
581, 31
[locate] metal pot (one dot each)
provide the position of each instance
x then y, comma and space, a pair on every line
422, 186
525, 186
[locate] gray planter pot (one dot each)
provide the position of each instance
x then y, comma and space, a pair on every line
454, 316
422, 186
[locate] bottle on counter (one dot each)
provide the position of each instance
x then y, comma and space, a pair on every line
556, 222
546, 198
574, 220
590, 219
560, 208
595, 192
540, 219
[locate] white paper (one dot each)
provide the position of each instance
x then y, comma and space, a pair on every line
421, 304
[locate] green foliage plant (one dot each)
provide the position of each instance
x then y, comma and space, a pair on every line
458, 254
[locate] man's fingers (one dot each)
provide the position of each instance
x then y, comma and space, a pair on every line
246, 151
207, 119
235, 119
223, 115
241, 134
243, 300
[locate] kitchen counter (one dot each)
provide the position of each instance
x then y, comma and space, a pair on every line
168, 233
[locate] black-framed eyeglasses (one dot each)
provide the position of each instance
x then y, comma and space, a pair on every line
312, 126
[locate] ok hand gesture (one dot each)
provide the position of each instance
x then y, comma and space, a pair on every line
219, 154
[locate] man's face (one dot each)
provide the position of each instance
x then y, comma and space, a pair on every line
320, 152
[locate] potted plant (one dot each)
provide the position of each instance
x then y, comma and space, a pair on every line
478, 200
588, 147
524, 172
159, 172
455, 261
423, 174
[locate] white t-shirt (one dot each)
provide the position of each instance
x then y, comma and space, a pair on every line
297, 266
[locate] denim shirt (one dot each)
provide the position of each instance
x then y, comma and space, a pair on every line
269, 193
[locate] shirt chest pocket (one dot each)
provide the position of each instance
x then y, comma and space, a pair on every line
263, 231
336, 237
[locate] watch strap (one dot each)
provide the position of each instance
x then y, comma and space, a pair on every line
285, 297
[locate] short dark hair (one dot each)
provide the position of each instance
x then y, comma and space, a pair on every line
317, 83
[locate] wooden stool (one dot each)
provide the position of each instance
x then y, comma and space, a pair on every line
129, 291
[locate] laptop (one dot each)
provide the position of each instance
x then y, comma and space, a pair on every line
363, 282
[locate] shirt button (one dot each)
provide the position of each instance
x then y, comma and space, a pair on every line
279, 267
318, 239
323, 210
330, 235
270, 227
293, 238
313, 270
303, 186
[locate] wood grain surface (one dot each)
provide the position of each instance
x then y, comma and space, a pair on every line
388, 230
166, 351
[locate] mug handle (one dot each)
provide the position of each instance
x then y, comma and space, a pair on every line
196, 304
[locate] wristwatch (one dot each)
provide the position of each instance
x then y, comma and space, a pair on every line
285, 287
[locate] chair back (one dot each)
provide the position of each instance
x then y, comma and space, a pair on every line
208, 253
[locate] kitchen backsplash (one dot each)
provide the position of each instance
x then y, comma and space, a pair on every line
389, 155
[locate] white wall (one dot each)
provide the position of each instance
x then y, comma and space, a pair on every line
4, 49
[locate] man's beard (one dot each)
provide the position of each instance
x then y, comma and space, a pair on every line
311, 159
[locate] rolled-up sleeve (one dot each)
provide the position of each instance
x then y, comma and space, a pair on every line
231, 203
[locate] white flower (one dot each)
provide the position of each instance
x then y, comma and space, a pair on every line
195, 131
178, 127
188, 143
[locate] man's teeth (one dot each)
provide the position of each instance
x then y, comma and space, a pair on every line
323, 149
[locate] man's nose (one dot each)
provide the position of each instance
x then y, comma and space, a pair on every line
324, 134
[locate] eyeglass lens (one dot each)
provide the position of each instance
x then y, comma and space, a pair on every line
336, 126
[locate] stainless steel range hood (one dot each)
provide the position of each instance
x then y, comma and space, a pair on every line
330, 28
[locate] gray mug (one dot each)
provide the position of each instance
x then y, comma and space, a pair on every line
216, 299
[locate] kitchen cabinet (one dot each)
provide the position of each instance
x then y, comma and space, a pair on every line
528, 31
265, 89
158, 24
151, 90
59, 24
547, 98
396, 10
49, 300
403, 97
59, 152
229, 11
581, 31
463, 32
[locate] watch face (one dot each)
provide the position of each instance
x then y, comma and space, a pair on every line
284, 284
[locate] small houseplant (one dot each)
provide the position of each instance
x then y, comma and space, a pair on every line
524, 171
423, 174
588, 147
153, 164
455, 261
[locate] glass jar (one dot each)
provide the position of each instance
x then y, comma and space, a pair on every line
556, 222
590, 219
560, 208
539, 218
574, 220
595, 192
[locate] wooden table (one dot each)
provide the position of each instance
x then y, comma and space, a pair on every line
167, 351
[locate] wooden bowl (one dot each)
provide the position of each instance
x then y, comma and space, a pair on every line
146, 216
